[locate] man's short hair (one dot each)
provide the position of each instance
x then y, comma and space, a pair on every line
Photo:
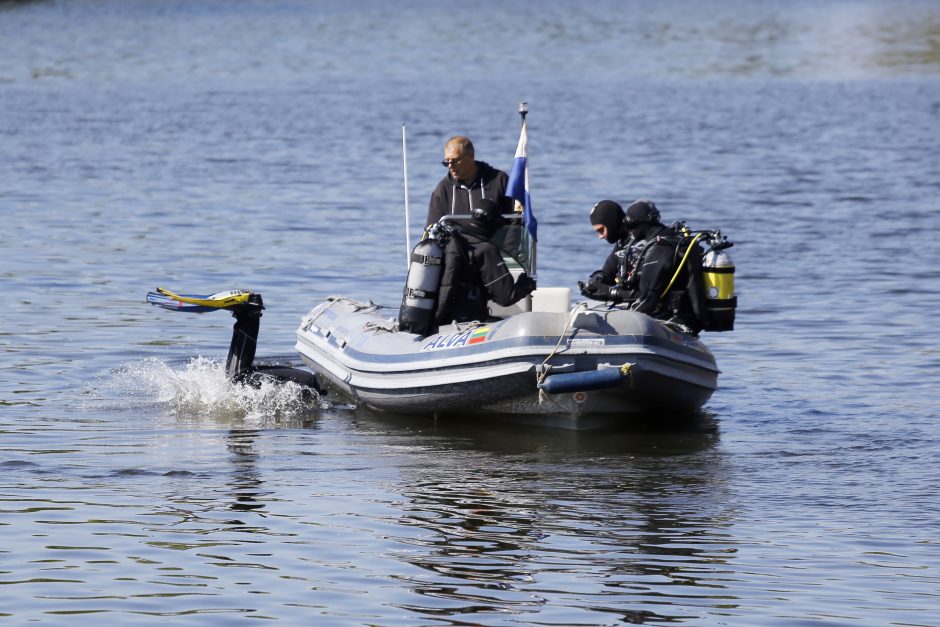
461, 143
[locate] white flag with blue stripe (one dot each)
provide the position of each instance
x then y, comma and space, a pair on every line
518, 186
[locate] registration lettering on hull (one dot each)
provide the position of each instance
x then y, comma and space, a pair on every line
586, 342
457, 340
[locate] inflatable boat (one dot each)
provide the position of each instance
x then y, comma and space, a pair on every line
578, 367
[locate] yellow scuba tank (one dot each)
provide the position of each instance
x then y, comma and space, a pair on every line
720, 299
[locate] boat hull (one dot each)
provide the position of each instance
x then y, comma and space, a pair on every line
529, 364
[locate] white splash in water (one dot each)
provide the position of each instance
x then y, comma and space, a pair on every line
201, 387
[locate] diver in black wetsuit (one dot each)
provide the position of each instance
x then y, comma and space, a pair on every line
641, 271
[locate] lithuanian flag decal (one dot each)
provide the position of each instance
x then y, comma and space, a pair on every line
479, 335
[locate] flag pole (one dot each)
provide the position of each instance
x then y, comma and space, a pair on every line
523, 111
404, 159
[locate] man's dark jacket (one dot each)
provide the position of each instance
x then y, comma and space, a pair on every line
452, 197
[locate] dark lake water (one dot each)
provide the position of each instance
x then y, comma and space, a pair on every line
210, 145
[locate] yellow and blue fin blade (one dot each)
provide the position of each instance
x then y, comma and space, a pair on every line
192, 303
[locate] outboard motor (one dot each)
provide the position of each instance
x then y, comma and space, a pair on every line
718, 270
419, 301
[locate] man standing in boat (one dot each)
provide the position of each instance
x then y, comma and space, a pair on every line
467, 182
641, 271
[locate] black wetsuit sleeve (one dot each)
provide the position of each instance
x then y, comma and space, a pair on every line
601, 282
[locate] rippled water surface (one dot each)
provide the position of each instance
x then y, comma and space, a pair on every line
210, 145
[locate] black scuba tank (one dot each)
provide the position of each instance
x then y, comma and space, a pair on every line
419, 301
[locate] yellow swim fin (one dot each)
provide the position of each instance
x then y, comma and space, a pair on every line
220, 300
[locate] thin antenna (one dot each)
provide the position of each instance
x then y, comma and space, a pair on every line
404, 158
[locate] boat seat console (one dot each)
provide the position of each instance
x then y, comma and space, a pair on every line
545, 299
551, 299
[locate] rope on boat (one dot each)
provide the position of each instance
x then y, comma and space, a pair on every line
625, 370
357, 305
542, 371
386, 325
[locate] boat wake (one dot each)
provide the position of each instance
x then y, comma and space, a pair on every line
201, 388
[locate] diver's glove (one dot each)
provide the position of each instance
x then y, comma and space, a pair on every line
596, 287
525, 284
587, 289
